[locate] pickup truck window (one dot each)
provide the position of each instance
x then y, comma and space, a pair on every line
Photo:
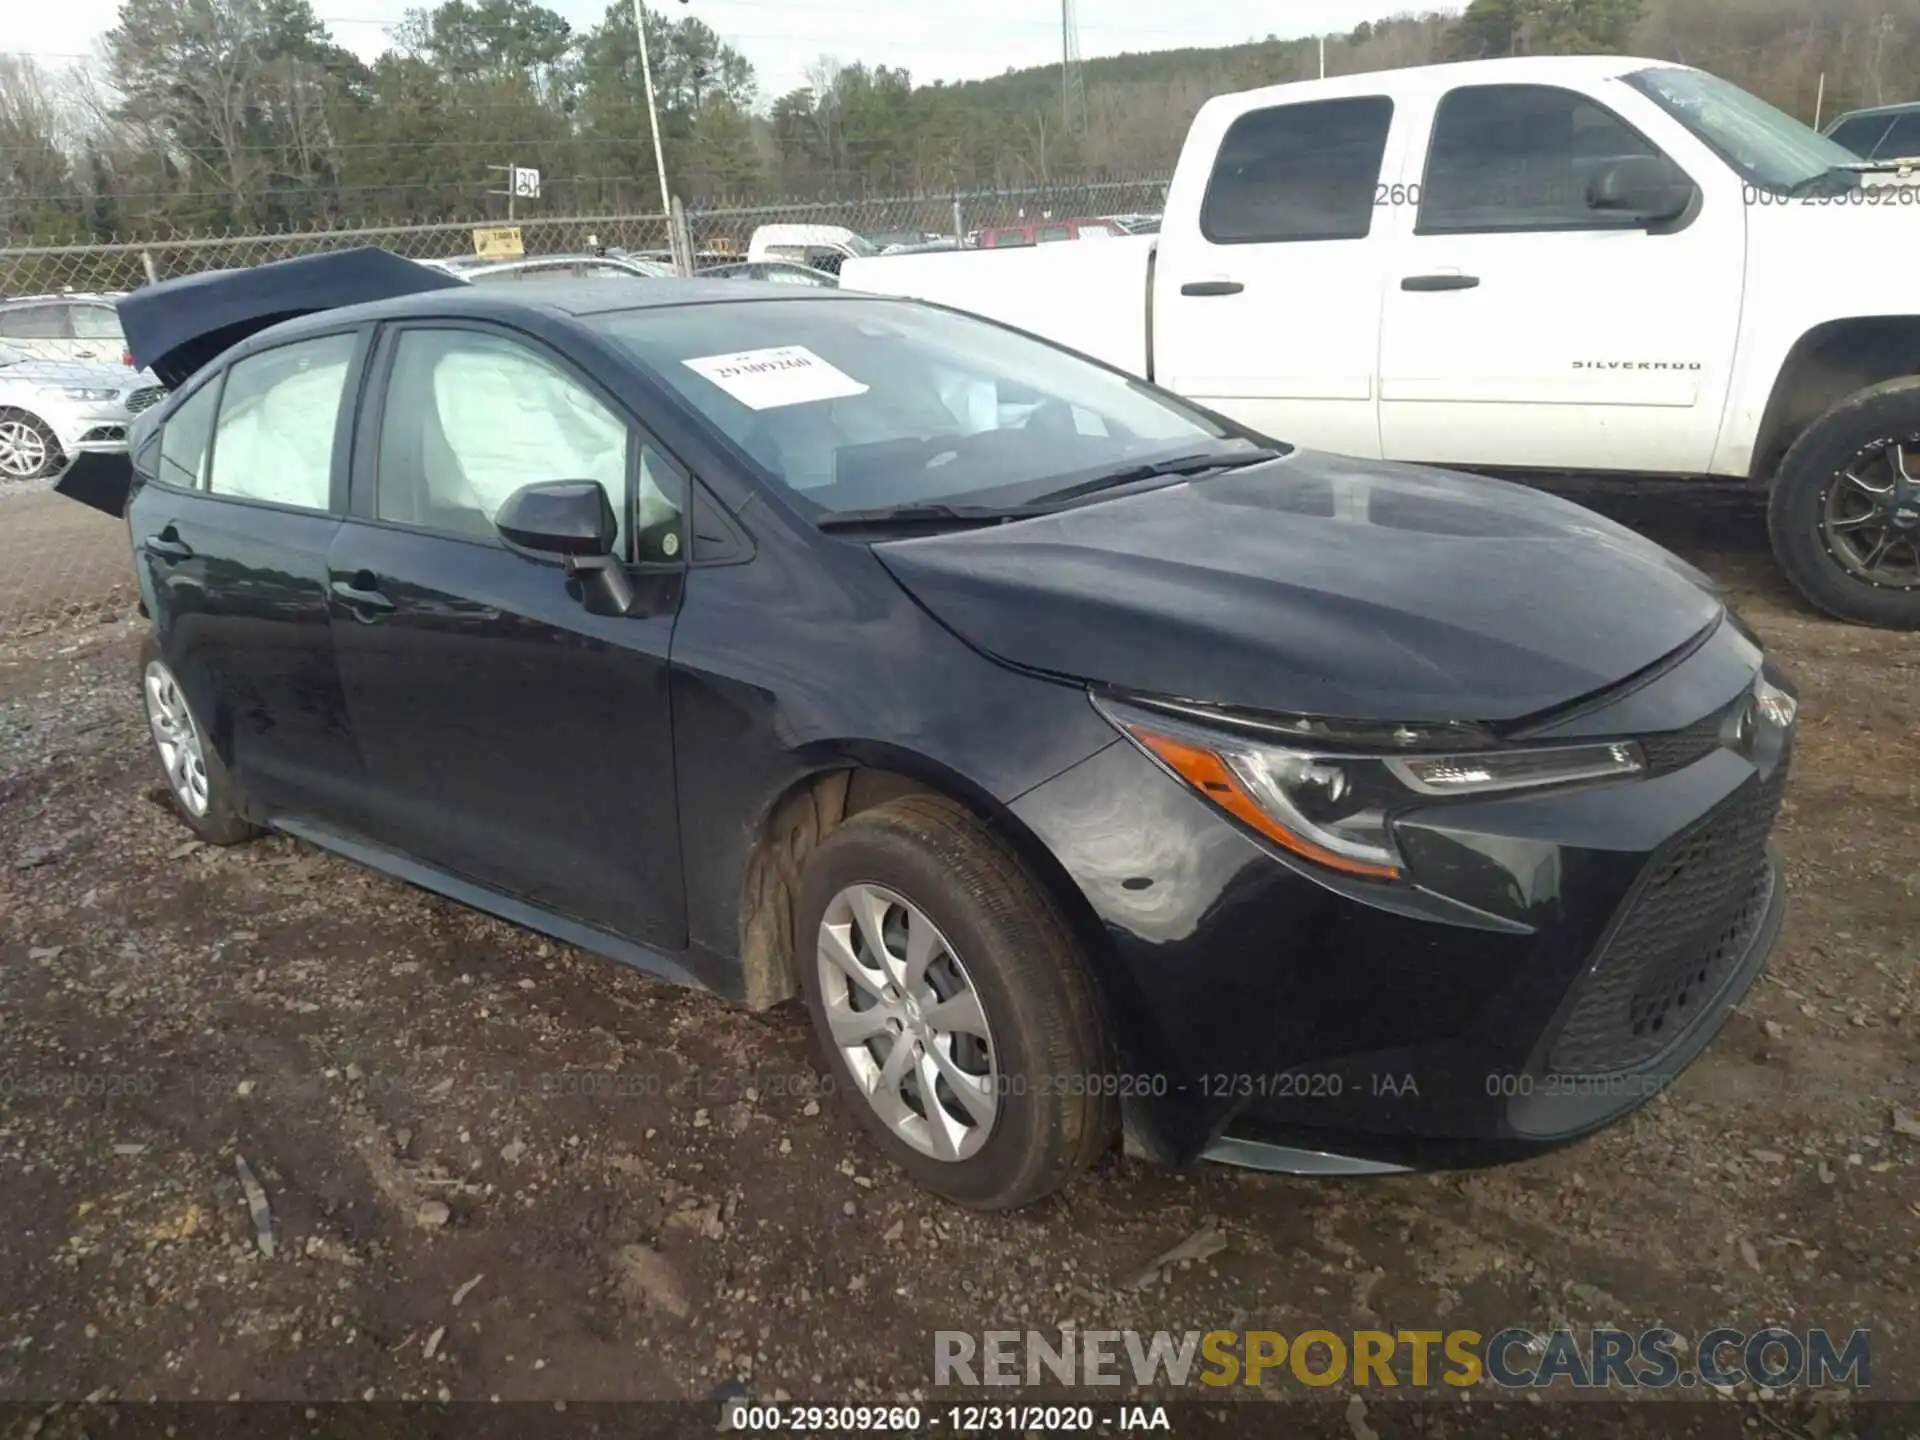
1862, 134
1902, 141
1768, 147
1518, 157
1298, 172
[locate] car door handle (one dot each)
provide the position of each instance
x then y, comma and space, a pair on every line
167, 545
362, 596
1212, 287
1440, 282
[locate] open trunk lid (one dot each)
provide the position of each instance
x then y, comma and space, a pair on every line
177, 326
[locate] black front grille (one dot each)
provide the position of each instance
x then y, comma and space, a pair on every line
144, 399
1681, 935
1677, 749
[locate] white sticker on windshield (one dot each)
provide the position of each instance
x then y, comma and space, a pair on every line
784, 375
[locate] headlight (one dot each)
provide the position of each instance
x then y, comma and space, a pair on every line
1774, 705
1336, 807
82, 392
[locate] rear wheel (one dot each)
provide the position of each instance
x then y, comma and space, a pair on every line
955, 1008
1845, 510
198, 783
29, 450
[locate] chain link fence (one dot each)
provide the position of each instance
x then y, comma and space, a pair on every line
60, 561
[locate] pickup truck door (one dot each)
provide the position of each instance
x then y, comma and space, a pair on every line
1268, 308
1523, 328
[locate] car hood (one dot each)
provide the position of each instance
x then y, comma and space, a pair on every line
1321, 585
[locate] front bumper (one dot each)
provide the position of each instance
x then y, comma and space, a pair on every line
1555, 960
96, 427
89, 428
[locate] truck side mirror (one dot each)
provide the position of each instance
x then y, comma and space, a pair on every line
1644, 188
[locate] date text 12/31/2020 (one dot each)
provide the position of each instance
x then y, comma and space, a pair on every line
748, 1417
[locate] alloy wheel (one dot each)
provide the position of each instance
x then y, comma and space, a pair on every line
177, 738
23, 449
1869, 518
906, 1017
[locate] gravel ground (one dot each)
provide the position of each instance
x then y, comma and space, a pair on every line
499, 1168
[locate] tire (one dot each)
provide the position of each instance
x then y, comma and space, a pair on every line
1045, 1061
203, 793
1798, 513
29, 450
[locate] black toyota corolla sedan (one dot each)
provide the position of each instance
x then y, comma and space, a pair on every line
1090, 766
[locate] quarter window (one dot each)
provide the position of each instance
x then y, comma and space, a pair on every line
1298, 172
279, 412
1519, 157
183, 442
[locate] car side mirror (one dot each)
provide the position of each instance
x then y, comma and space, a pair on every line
1643, 188
571, 518
574, 520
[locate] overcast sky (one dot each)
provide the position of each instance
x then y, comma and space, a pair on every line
934, 39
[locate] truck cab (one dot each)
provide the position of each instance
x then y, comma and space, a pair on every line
1551, 264
819, 247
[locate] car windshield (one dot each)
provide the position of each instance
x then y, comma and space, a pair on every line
857, 404
1767, 146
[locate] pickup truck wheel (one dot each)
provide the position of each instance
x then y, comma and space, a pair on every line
1844, 515
956, 1012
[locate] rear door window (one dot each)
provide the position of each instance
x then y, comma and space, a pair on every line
185, 439
35, 322
1298, 173
279, 413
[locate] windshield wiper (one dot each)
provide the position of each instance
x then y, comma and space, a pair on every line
1187, 465
923, 512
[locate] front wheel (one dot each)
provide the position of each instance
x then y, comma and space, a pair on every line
1844, 515
29, 450
954, 1006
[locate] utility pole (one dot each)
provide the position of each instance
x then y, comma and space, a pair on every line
1820, 100
1323, 57
653, 109
1073, 84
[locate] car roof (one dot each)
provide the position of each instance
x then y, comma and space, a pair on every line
569, 298
1438, 79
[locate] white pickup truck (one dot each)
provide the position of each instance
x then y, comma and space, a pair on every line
1542, 264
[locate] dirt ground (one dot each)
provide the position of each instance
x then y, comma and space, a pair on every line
499, 1168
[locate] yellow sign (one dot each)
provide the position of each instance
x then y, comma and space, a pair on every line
501, 242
